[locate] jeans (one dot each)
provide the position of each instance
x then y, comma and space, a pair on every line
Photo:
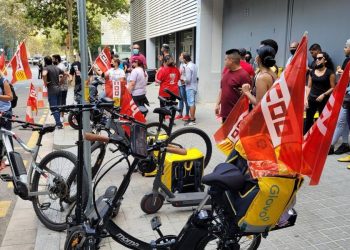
342, 128
183, 102
54, 100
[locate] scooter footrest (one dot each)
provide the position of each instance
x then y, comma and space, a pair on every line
6, 177
187, 199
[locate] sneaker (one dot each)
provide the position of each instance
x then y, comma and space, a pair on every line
343, 148
59, 126
178, 117
331, 150
344, 159
186, 118
190, 123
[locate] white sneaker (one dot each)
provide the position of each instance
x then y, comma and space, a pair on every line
62, 119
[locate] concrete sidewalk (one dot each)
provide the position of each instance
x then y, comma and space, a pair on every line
323, 221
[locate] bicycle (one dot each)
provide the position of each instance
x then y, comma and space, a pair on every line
207, 228
45, 183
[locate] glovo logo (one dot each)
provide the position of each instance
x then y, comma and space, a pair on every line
273, 195
20, 75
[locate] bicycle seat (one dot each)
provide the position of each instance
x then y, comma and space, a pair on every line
226, 176
47, 128
161, 111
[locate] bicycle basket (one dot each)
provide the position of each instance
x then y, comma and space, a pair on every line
138, 140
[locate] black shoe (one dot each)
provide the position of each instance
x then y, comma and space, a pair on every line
343, 148
59, 126
331, 150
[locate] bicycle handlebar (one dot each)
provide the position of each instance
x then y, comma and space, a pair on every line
83, 107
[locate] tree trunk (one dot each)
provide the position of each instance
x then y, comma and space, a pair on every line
69, 6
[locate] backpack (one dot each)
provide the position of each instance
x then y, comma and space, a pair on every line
14, 96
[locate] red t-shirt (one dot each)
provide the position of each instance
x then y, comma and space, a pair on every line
231, 83
246, 66
168, 77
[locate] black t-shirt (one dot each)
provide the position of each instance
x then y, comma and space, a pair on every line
75, 70
53, 80
320, 84
347, 59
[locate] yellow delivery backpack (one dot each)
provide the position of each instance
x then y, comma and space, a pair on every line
183, 173
261, 207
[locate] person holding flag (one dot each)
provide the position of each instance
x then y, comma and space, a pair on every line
5, 109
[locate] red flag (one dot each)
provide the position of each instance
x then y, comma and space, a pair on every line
272, 134
128, 106
318, 140
32, 99
103, 61
3, 64
20, 66
228, 134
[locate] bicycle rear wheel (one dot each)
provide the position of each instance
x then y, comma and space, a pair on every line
190, 137
53, 208
211, 242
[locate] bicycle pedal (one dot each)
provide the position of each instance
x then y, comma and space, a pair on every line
45, 206
156, 222
6, 177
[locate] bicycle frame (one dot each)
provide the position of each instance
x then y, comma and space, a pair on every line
5, 135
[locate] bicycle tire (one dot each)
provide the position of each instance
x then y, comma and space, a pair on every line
204, 243
201, 133
73, 121
61, 188
155, 125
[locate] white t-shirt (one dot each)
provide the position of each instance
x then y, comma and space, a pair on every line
115, 74
139, 76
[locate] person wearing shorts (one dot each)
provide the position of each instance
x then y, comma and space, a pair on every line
191, 87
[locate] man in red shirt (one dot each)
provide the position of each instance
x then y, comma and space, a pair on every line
231, 84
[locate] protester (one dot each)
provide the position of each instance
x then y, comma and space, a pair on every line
182, 89
75, 72
292, 48
248, 57
266, 76
164, 51
136, 53
191, 84
40, 70
246, 66
231, 83
168, 76
138, 83
53, 77
272, 43
320, 86
342, 128
64, 85
314, 50
5, 111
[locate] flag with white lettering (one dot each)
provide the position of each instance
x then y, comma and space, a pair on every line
318, 140
20, 65
228, 134
128, 106
272, 134
103, 61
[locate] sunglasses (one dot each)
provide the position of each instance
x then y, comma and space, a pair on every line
319, 58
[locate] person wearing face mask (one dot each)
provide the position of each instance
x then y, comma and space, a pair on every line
135, 53
320, 86
292, 48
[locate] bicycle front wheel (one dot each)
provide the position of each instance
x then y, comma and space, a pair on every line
53, 207
190, 137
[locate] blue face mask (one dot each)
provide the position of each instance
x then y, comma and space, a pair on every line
135, 51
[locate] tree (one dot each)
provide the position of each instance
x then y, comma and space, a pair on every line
62, 15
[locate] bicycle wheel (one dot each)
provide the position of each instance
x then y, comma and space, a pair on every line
73, 120
53, 208
190, 137
154, 132
211, 242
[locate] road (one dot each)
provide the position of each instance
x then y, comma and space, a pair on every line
7, 197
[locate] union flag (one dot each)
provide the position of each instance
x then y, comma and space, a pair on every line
32, 98
103, 61
20, 66
3, 64
128, 106
318, 139
272, 134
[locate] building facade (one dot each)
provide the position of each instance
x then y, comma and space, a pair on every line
207, 28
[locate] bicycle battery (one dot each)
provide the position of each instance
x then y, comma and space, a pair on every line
17, 163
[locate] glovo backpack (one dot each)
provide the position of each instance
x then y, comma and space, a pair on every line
267, 202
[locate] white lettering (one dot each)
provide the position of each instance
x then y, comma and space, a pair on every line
326, 113
234, 133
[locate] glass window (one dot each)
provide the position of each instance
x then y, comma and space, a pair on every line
186, 42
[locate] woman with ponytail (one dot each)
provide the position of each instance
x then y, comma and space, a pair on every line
265, 78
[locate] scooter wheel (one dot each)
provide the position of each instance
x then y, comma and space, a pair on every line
150, 205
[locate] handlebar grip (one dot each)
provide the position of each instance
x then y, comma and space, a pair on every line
172, 94
176, 150
104, 105
94, 137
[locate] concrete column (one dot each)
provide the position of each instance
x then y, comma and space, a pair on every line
150, 52
209, 48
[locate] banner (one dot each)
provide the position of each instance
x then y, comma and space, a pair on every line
103, 61
20, 66
3, 64
272, 134
318, 140
228, 134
